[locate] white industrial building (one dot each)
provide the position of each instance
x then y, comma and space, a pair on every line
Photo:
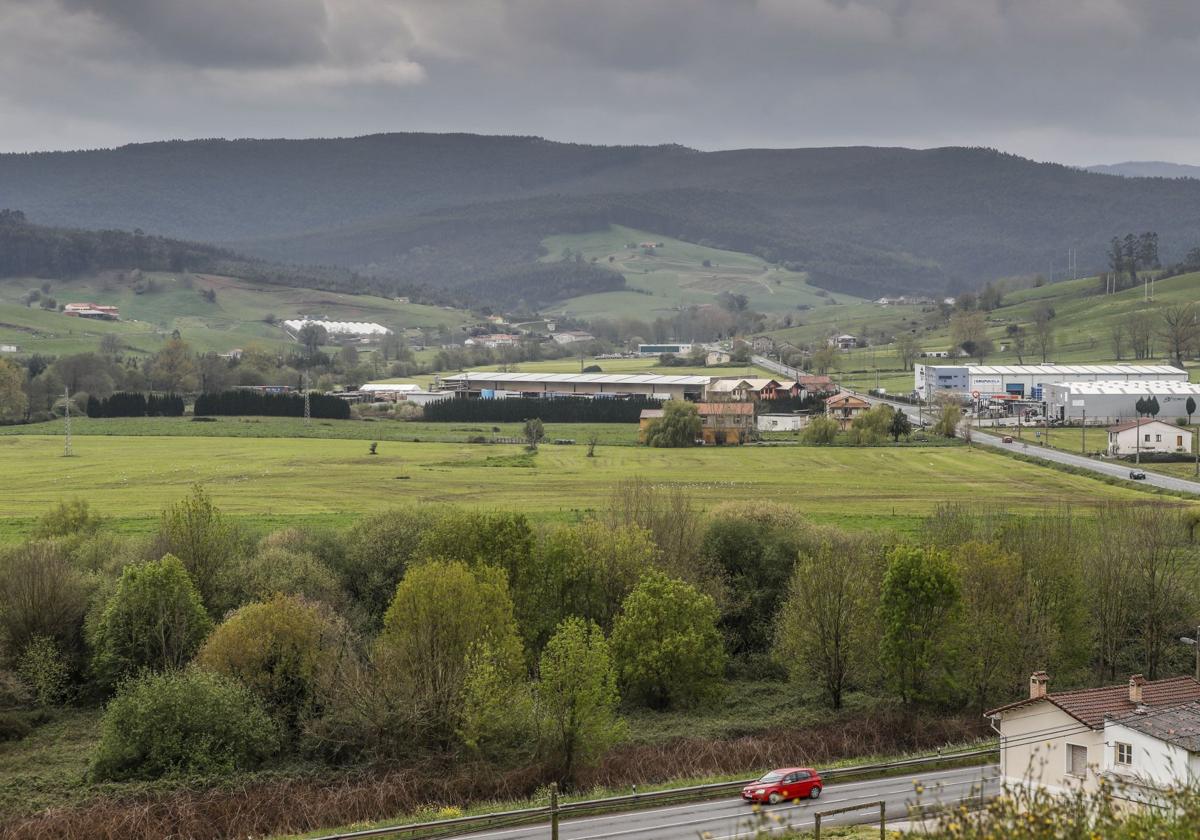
1101, 402
1026, 381
483, 383
793, 422
340, 328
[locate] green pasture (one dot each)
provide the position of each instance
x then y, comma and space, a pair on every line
235, 319
675, 275
273, 480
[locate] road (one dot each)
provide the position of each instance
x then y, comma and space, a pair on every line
726, 819
1113, 469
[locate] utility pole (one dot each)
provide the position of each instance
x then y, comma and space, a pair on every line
307, 408
1083, 433
1138, 457
67, 453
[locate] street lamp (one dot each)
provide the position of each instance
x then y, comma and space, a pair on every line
1195, 646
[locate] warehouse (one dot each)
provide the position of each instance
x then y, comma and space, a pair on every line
476, 383
1104, 402
1026, 381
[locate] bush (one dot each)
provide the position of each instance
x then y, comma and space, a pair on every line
182, 723
246, 403
820, 431
678, 427
550, 410
41, 595
378, 550
154, 619
67, 519
279, 649
273, 570
207, 543
667, 646
46, 671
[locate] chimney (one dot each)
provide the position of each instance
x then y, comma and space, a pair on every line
1135, 689
1037, 685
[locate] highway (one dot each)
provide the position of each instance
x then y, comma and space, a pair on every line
1114, 469
727, 819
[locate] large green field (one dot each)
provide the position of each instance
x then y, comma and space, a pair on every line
272, 480
234, 319
675, 275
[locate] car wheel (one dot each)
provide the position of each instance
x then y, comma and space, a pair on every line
815, 793
774, 798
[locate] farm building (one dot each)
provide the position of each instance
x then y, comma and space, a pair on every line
659, 349
793, 422
1027, 381
845, 407
724, 423
95, 311
573, 337
1147, 436
472, 384
339, 328
1107, 401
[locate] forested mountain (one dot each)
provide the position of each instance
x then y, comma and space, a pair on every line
468, 212
1147, 169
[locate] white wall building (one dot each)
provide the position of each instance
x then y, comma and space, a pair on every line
1057, 740
572, 337
1148, 752
782, 422
1147, 436
1110, 401
1027, 381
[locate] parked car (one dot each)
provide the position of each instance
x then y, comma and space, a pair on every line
1006, 439
1137, 475
785, 783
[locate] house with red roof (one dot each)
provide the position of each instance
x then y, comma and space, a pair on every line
1065, 740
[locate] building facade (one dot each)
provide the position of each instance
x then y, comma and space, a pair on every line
1108, 401
1147, 436
1026, 381
472, 384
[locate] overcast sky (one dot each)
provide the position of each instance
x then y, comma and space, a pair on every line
1077, 81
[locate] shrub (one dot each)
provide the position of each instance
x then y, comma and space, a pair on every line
46, 671
182, 723
378, 550
207, 543
279, 649
666, 644
275, 569
41, 595
154, 619
820, 431
68, 519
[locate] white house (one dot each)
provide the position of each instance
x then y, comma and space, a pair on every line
845, 342
573, 337
1152, 750
1131, 437
1057, 740
793, 422
717, 357
9, 348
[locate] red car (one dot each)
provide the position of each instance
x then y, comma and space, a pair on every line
1006, 439
785, 783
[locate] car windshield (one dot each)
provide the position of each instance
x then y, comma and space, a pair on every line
773, 776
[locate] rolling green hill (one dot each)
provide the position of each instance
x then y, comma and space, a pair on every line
678, 274
234, 319
470, 212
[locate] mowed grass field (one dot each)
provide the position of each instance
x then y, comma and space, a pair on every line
675, 275
274, 480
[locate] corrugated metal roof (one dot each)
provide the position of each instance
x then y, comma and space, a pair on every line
1135, 386
1019, 370
578, 378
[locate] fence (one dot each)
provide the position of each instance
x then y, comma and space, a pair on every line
556, 810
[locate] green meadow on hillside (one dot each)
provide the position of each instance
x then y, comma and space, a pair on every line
675, 275
234, 319
291, 479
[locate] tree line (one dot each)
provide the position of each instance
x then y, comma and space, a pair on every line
251, 403
125, 404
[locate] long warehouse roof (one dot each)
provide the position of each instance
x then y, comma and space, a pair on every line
579, 378
1137, 386
1017, 370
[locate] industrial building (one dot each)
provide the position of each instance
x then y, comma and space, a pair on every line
1102, 402
1025, 382
483, 384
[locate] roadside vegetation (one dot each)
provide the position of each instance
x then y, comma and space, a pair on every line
425, 644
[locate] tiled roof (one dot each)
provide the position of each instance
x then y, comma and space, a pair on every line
1090, 705
650, 413
1179, 726
1130, 424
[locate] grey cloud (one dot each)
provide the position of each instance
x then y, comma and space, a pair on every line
1074, 80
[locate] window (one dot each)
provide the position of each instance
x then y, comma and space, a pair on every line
1076, 760
1158, 438
1179, 440
1124, 753
1147, 436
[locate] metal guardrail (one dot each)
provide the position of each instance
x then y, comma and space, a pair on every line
615, 803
